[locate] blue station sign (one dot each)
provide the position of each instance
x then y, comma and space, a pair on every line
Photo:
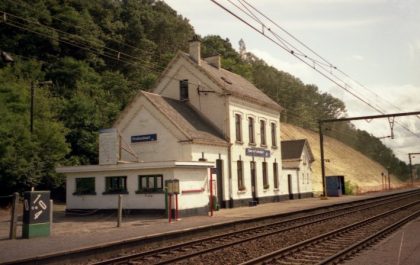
144, 138
257, 152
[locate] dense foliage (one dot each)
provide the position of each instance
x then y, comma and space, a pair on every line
98, 55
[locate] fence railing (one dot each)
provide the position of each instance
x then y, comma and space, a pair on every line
12, 200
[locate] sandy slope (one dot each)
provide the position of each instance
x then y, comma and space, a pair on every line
343, 160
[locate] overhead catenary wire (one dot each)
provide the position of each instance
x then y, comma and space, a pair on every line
315, 53
279, 43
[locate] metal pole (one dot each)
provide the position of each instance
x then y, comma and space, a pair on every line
13, 219
170, 208
321, 145
176, 207
32, 107
119, 222
389, 181
51, 215
211, 194
166, 201
411, 169
383, 182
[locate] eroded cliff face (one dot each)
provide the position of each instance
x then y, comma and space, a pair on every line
343, 160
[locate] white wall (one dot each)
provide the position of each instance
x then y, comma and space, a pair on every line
211, 105
246, 110
305, 172
190, 178
301, 173
146, 120
211, 153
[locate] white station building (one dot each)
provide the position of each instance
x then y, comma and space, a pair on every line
297, 159
199, 116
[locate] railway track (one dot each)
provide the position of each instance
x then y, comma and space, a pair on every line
294, 230
335, 246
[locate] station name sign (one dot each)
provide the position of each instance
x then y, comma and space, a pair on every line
257, 152
144, 138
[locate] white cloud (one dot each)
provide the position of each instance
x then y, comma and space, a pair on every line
357, 57
332, 24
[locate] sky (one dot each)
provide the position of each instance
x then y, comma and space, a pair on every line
375, 42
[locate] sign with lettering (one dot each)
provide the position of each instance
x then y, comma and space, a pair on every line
36, 207
144, 138
257, 152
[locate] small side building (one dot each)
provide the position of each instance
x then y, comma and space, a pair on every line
297, 159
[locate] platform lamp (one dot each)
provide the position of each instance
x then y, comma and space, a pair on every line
33, 86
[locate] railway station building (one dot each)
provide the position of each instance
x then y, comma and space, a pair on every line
297, 159
200, 122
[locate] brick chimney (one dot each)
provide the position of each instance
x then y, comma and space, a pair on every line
214, 61
195, 49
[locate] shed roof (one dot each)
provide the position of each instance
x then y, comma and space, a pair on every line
292, 149
193, 125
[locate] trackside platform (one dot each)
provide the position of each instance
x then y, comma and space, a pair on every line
73, 236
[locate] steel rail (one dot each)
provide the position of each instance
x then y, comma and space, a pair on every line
356, 247
267, 230
304, 244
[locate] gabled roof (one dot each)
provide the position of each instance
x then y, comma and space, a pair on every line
185, 118
234, 84
292, 149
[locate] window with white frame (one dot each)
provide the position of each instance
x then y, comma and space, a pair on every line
85, 186
265, 175
116, 185
251, 130
276, 175
238, 127
150, 184
240, 170
273, 135
262, 133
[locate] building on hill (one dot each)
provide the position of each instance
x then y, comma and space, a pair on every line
297, 161
199, 116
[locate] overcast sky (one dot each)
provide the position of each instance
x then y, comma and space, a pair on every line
375, 42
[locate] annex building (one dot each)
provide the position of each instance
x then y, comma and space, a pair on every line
200, 122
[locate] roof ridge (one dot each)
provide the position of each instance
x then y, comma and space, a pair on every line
148, 95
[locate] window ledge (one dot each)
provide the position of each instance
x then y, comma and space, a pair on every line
149, 192
114, 192
263, 145
239, 142
274, 147
252, 144
277, 189
242, 191
83, 193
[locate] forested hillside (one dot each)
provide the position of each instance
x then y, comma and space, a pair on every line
98, 54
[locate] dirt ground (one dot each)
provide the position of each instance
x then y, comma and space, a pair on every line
77, 223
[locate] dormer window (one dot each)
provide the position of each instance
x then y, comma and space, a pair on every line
183, 89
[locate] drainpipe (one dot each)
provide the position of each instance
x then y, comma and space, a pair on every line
229, 151
298, 182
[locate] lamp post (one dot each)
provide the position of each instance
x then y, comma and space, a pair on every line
33, 86
410, 156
